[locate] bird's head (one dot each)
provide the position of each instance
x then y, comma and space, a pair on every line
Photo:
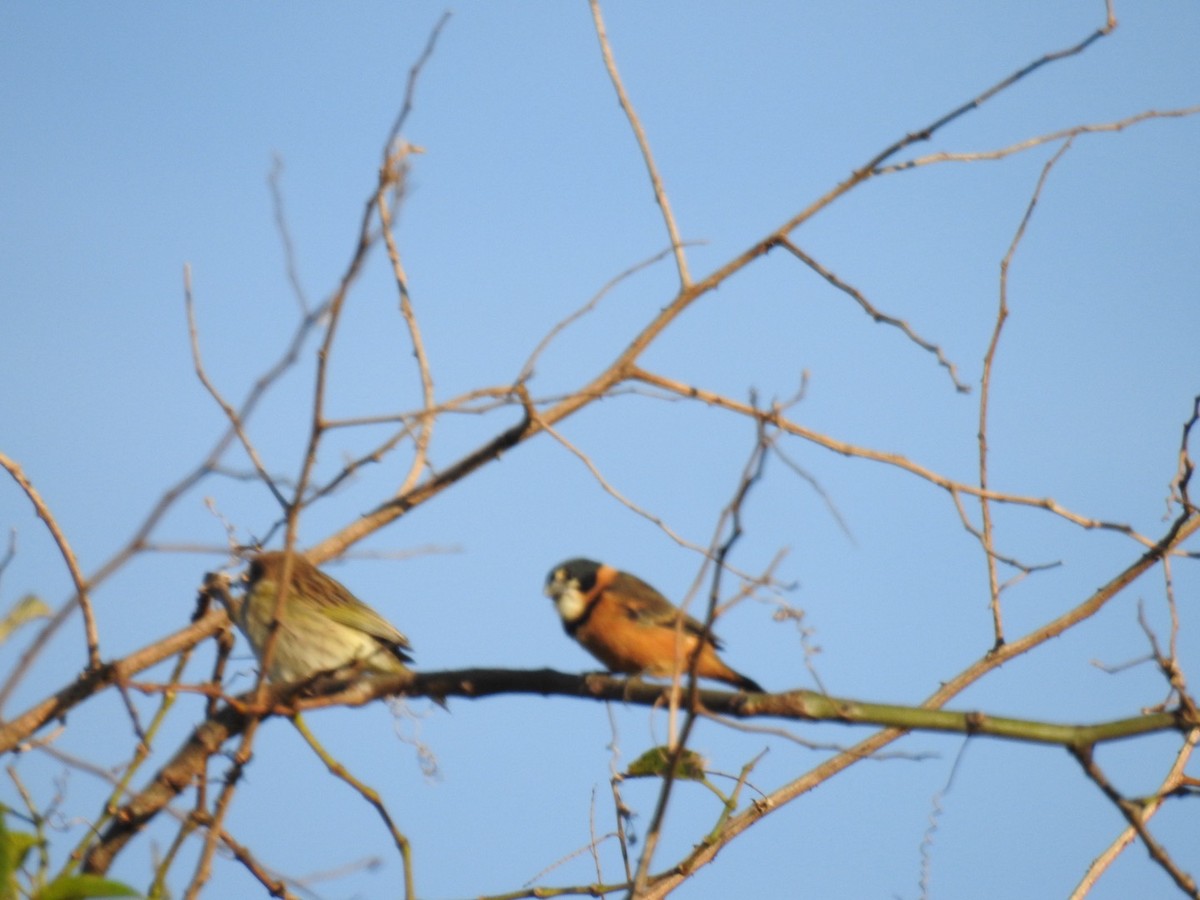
568, 585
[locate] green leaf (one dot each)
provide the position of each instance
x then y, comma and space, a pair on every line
17, 844
13, 847
78, 887
8, 881
653, 764
26, 609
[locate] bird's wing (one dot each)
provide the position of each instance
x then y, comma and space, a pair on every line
343, 607
646, 605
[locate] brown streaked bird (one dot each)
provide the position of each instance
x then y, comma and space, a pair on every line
631, 627
322, 626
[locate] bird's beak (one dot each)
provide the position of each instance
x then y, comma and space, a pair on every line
216, 585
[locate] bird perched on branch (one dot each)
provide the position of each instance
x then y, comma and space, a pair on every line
631, 627
322, 626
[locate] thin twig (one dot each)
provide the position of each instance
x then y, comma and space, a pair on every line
274, 181
622, 813
1022, 568
410, 84
853, 292
926, 847
1135, 815
10, 552
166, 502
527, 370
624, 365
730, 520
1062, 134
216, 822
436, 483
1172, 780
618, 496
332, 318
369, 794
235, 421
21, 727
1183, 473
141, 753
583, 890
660, 193
1182, 529
997, 88
272, 883
352, 466
91, 635
496, 396
985, 395
892, 459
391, 180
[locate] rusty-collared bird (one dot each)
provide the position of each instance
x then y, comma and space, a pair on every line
631, 627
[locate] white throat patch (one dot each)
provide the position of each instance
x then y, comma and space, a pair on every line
569, 601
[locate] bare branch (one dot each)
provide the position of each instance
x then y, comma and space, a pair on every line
1064, 134
1180, 531
527, 370
233, 719
1172, 780
274, 181
410, 84
892, 459
168, 499
369, 794
1135, 815
660, 193
391, 180
235, 421
618, 496
1004, 84
64, 547
989, 359
432, 486
869, 308
1183, 474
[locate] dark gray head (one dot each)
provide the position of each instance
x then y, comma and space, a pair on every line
569, 583
579, 573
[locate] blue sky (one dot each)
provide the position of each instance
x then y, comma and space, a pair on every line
138, 138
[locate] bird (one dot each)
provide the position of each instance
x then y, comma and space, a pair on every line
631, 627
322, 626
